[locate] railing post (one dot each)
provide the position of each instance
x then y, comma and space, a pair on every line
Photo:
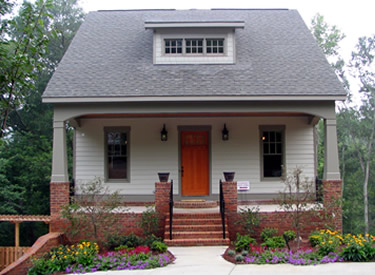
222, 208
171, 211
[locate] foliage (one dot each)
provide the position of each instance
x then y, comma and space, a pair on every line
289, 235
23, 45
84, 257
243, 242
249, 219
26, 151
159, 246
326, 240
122, 261
268, 232
149, 221
274, 242
358, 248
301, 257
296, 199
57, 260
231, 252
239, 258
92, 211
115, 240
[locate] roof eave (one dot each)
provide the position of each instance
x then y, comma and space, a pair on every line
47, 99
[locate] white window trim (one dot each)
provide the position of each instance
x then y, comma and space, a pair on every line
204, 53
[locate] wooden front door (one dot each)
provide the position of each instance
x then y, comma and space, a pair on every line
194, 163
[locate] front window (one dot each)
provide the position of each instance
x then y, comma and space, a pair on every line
272, 152
117, 153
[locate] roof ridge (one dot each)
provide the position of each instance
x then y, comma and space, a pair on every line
138, 10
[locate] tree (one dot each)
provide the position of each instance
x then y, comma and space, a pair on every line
22, 48
362, 134
25, 154
296, 199
328, 38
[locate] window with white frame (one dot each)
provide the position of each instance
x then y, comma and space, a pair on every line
117, 153
173, 46
272, 151
201, 46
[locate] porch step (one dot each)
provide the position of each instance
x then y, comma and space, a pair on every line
195, 204
197, 242
196, 229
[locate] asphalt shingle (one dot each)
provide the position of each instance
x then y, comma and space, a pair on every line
111, 56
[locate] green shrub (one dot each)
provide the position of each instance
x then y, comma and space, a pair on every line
326, 240
243, 242
149, 221
314, 238
231, 252
116, 240
249, 219
239, 258
358, 248
149, 240
274, 242
159, 246
122, 247
289, 235
268, 233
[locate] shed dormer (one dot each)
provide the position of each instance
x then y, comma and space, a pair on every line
194, 42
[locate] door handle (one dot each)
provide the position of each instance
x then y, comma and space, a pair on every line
182, 171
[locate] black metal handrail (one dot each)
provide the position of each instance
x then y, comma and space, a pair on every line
222, 207
171, 210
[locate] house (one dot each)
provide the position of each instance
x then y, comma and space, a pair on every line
193, 93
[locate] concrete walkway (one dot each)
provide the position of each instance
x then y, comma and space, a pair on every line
208, 260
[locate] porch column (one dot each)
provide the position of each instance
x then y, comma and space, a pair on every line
59, 185
59, 155
331, 156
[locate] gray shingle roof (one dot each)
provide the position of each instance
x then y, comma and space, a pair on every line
111, 56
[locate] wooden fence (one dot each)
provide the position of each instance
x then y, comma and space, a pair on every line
10, 254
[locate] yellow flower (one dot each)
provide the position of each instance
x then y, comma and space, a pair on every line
330, 241
323, 242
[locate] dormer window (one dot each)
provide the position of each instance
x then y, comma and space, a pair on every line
173, 46
215, 46
194, 46
194, 42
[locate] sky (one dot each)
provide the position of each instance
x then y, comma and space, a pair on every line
353, 18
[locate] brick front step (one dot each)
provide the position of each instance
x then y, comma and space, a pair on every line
197, 242
195, 204
195, 215
195, 228
212, 221
195, 235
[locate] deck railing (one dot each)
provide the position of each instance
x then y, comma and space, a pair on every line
10, 254
222, 208
171, 210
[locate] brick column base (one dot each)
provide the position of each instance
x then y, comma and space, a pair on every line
59, 196
230, 198
332, 201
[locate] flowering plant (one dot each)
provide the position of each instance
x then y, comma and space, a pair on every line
359, 248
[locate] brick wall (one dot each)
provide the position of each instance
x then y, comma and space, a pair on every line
59, 196
332, 212
41, 246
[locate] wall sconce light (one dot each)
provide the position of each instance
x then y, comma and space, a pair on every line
225, 133
164, 134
